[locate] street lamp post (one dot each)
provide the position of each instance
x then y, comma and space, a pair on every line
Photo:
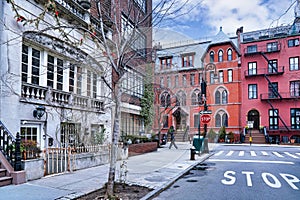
209, 66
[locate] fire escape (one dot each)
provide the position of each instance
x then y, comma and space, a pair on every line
272, 70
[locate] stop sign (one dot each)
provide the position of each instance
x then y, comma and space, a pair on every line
205, 118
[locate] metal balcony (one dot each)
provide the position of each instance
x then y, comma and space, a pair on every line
284, 95
264, 71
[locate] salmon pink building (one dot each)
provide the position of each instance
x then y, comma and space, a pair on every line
271, 81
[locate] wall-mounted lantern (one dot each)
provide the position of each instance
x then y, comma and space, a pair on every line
86, 4
39, 112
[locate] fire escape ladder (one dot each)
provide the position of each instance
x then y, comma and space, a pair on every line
282, 121
274, 69
274, 90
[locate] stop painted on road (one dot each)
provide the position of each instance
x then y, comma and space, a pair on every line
268, 178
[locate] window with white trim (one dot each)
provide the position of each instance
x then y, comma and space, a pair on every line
31, 61
293, 42
252, 91
229, 75
294, 63
252, 68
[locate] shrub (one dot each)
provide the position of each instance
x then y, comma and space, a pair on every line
211, 134
222, 133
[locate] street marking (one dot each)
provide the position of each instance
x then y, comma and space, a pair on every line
264, 153
230, 153
289, 154
242, 153
298, 154
268, 178
253, 161
278, 155
219, 153
252, 153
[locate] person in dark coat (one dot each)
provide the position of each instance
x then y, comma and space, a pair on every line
172, 132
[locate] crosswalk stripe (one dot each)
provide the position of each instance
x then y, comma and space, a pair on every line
230, 153
242, 153
219, 153
264, 153
278, 155
252, 153
289, 154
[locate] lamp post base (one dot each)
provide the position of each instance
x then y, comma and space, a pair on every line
205, 148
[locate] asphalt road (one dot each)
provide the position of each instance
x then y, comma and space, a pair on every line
242, 172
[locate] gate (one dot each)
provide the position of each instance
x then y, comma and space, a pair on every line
58, 160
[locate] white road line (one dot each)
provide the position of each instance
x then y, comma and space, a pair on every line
278, 155
298, 154
242, 153
219, 153
264, 153
253, 161
252, 153
230, 153
289, 154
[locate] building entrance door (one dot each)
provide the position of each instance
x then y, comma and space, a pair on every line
253, 115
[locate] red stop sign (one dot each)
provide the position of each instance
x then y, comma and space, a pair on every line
205, 118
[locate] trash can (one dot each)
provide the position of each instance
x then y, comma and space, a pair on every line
193, 152
197, 143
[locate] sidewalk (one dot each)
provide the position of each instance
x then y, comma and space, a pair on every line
155, 170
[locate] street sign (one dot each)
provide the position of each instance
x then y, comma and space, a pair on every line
250, 124
205, 112
205, 118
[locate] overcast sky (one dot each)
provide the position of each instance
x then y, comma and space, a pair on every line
204, 17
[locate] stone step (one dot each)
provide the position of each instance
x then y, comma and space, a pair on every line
3, 172
5, 181
257, 138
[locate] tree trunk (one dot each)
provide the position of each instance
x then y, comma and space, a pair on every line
115, 138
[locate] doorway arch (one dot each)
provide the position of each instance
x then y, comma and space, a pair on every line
253, 115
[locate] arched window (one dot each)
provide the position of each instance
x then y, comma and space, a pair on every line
229, 55
224, 97
225, 120
221, 119
220, 56
196, 97
217, 98
211, 56
221, 96
180, 99
165, 99
218, 120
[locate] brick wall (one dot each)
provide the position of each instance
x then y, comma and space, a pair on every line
136, 149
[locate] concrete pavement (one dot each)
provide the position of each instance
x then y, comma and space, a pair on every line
156, 170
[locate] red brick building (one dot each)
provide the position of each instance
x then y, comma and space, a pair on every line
180, 71
221, 63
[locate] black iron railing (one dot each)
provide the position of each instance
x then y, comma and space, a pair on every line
10, 147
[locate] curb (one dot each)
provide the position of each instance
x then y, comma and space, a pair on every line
164, 187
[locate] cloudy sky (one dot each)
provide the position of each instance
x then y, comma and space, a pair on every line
201, 18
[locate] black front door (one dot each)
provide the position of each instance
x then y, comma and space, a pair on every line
253, 115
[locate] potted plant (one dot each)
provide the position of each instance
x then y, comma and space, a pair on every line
29, 149
261, 129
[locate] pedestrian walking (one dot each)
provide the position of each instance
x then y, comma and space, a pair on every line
172, 132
